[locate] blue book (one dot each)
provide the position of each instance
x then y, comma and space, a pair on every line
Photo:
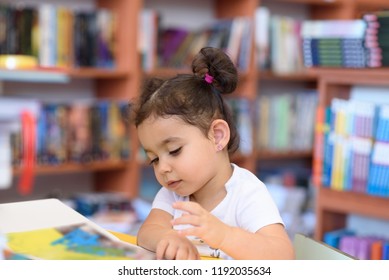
328, 149
332, 238
385, 251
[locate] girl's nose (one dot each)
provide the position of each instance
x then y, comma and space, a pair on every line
164, 166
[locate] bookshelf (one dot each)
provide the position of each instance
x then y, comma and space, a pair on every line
124, 81
332, 206
274, 81
120, 83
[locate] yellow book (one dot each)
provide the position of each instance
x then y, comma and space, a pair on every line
73, 242
49, 229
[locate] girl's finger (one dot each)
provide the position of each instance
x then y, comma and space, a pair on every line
161, 248
187, 220
188, 206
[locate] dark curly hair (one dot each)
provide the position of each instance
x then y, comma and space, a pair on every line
190, 97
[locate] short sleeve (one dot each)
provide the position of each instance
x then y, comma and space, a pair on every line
258, 209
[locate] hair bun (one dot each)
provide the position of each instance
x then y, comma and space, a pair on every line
218, 64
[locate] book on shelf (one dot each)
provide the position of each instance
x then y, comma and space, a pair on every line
262, 37
377, 40
59, 36
68, 132
147, 38
378, 184
360, 246
335, 43
332, 238
345, 52
49, 229
347, 144
242, 114
285, 43
353, 148
175, 46
333, 28
286, 121
169, 41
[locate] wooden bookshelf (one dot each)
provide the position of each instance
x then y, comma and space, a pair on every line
333, 207
120, 83
123, 83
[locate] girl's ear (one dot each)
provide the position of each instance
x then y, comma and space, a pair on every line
220, 134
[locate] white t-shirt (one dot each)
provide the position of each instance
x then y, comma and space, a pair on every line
247, 205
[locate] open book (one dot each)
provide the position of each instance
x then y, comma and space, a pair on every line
49, 229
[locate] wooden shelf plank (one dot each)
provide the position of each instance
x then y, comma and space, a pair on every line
276, 155
340, 77
304, 76
347, 202
74, 167
97, 73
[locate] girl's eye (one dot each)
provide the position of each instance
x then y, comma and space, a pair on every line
153, 161
176, 152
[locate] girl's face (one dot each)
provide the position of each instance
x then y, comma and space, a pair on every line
183, 158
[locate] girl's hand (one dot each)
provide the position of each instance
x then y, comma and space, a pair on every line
176, 247
205, 226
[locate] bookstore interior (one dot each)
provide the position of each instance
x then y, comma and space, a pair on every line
311, 106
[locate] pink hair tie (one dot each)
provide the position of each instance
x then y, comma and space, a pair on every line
208, 78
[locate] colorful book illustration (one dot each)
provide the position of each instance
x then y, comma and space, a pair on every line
72, 242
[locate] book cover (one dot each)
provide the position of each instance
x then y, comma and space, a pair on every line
73, 242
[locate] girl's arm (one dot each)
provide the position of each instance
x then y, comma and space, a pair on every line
269, 242
157, 234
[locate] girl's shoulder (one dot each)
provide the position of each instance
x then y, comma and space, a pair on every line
245, 178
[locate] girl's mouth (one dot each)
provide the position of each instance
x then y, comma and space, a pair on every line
173, 184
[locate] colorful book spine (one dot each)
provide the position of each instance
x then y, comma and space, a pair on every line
317, 168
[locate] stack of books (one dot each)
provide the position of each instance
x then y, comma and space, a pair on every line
377, 38
334, 43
